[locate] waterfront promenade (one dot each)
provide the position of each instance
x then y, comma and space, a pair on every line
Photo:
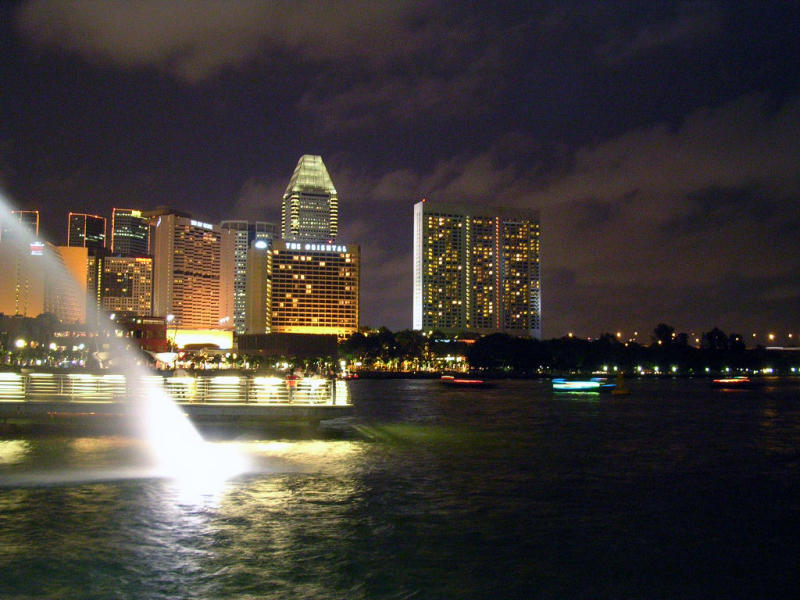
214, 398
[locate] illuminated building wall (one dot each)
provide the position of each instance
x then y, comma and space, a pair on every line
244, 234
22, 284
259, 287
86, 231
130, 232
314, 288
192, 271
66, 289
126, 285
476, 271
310, 208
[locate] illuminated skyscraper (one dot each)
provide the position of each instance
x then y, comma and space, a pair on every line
130, 232
86, 231
310, 209
476, 270
29, 219
244, 234
122, 284
314, 288
192, 271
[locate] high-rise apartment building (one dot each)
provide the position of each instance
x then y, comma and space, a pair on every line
192, 271
476, 270
310, 209
130, 232
314, 288
86, 231
244, 234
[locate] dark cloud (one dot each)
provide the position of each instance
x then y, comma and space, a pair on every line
658, 140
196, 40
684, 25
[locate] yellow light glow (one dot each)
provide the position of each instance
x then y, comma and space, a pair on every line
211, 337
13, 451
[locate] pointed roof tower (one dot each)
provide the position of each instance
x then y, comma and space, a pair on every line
310, 209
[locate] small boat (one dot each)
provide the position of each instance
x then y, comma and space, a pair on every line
738, 382
595, 384
465, 382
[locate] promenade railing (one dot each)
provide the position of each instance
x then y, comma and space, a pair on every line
234, 389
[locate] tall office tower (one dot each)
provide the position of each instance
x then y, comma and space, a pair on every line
258, 291
314, 288
476, 270
29, 219
244, 234
310, 209
86, 231
192, 271
130, 232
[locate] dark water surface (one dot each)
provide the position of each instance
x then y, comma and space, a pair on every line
676, 491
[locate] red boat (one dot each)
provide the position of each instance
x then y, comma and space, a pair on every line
734, 383
465, 382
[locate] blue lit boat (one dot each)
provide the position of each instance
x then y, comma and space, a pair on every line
595, 384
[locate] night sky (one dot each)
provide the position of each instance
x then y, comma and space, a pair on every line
659, 140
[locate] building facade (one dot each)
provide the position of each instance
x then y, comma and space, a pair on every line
125, 284
66, 284
130, 232
24, 272
314, 288
310, 208
86, 231
244, 235
476, 270
192, 271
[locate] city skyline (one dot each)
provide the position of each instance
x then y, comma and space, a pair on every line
658, 142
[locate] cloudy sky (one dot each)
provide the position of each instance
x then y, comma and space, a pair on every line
660, 141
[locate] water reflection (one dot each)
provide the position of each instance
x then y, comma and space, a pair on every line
13, 451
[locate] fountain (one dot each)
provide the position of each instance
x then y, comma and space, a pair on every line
176, 448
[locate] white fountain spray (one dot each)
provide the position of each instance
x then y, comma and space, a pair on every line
178, 450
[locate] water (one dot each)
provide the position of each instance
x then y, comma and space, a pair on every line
676, 491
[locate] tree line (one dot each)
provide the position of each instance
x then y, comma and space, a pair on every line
667, 353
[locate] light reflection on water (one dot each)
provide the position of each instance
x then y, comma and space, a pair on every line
673, 492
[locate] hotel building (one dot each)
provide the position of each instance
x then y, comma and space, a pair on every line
23, 284
310, 208
476, 270
192, 271
86, 231
313, 288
